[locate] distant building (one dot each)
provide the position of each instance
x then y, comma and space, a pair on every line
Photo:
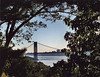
58, 50
53, 51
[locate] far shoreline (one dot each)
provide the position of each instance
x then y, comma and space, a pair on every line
48, 54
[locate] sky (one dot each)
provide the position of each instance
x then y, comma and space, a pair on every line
52, 35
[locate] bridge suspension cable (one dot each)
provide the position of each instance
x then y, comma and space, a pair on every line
29, 46
47, 46
42, 45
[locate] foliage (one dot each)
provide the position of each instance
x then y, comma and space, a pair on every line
4, 75
17, 17
15, 64
7, 54
84, 43
26, 68
60, 69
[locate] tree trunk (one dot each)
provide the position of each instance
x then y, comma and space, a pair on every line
3, 58
7, 43
8, 39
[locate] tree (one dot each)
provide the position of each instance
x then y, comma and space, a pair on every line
84, 42
0, 37
14, 63
18, 16
60, 69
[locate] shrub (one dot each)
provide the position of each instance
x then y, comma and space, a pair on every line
7, 54
4, 75
16, 64
26, 68
60, 69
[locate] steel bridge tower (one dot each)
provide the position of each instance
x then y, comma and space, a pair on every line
35, 51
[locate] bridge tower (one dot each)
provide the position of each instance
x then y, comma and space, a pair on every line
35, 51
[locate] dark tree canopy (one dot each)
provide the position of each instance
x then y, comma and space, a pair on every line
84, 43
18, 16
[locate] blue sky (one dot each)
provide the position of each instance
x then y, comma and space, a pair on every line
52, 35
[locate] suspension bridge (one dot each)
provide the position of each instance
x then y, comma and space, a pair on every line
39, 47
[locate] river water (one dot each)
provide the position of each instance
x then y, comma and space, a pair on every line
49, 60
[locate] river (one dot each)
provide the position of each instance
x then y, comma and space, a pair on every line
48, 60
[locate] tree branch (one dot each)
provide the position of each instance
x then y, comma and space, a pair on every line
57, 12
12, 26
2, 22
28, 20
7, 29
